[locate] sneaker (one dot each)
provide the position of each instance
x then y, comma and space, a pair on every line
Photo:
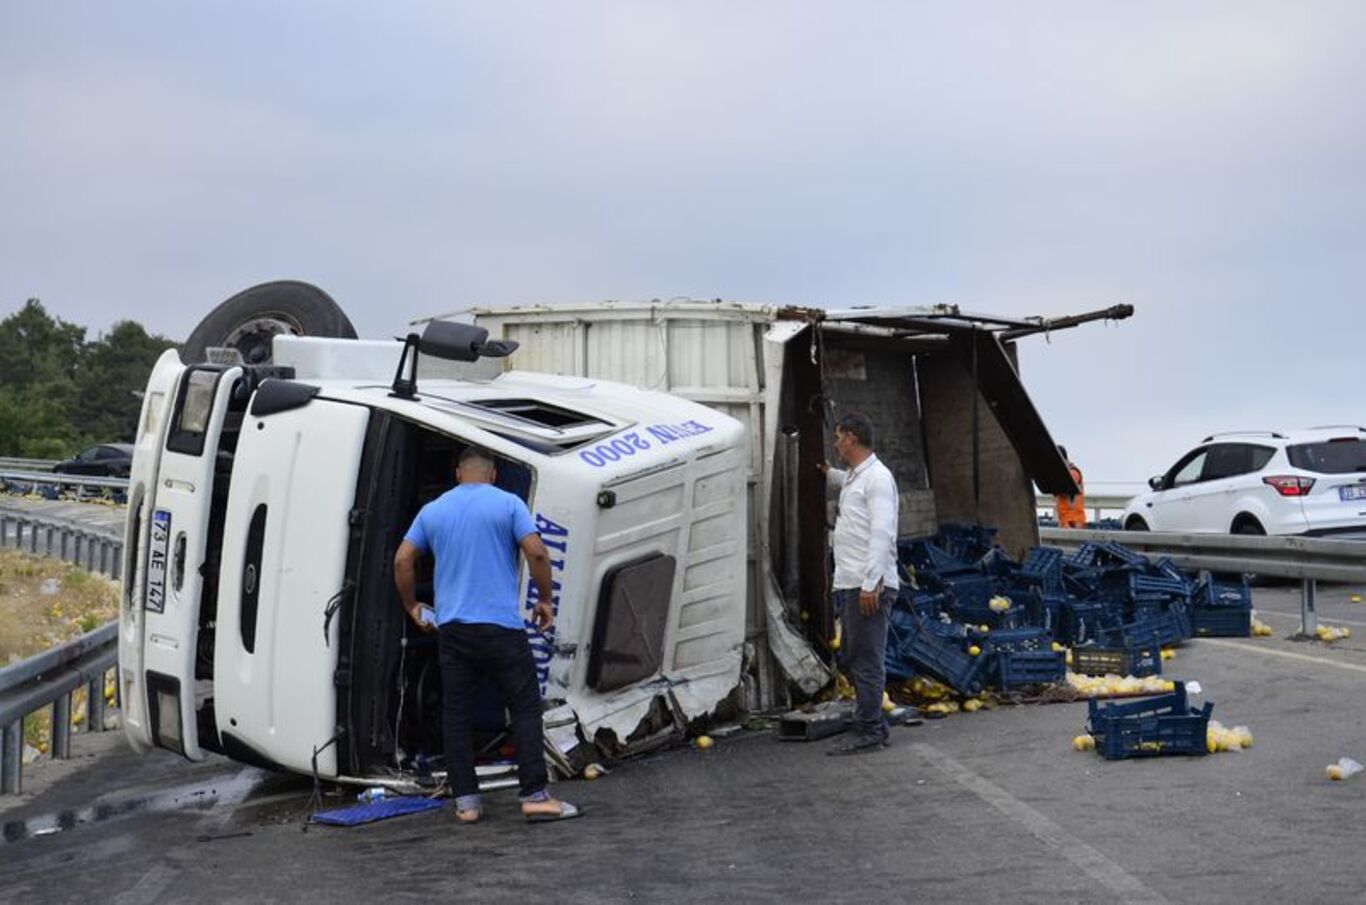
857, 746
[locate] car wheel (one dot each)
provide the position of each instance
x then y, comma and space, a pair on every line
252, 318
1135, 523
1248, 525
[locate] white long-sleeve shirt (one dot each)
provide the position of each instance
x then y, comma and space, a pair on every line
865, 529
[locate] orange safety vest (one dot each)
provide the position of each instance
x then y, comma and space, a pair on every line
1072, 510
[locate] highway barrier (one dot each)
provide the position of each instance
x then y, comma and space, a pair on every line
93, 549
48, 680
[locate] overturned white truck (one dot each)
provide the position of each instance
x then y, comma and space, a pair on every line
276, 470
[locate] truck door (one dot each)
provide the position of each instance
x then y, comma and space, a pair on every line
176, 540
285, 539
157, 400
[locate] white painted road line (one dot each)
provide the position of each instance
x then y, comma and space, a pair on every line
1126, 887
1322, 618
1289, 655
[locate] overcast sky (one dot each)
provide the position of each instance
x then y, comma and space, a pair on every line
1202, 161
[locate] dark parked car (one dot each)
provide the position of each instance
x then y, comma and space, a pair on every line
111, 460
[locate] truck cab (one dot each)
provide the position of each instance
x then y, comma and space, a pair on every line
259, 618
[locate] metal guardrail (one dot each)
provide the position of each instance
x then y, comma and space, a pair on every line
82, 483
1309, 559
8, 463
1095, 503
48, 680
80, 545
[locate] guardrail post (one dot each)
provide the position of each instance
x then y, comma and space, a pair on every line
1309, 617
61, 727
11, 758
33, 539
48, 550
94, 705
116, 567
4, 531
66, 539
18, 534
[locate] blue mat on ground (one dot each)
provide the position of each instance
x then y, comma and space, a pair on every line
378, 810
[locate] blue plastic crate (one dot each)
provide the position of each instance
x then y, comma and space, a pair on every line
1013, 618
1222, 622
912, 649
967, 542
971, 590
1030, 638
1213, 593
1085, 621
1043, 566
1160, 725
1120, 555
1083, 557
1143, 660
1015, 668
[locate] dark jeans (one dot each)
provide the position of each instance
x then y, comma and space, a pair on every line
863, 657
468, 652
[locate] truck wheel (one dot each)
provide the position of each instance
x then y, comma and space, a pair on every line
253, 317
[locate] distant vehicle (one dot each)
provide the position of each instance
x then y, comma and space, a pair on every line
1310, 482
106, 460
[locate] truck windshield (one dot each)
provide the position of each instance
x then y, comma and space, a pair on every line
1342, 456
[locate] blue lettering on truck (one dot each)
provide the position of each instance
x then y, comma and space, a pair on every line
556, 539
631, 442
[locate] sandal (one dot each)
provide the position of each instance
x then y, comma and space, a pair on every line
567, 811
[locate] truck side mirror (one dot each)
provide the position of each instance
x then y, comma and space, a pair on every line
1155, 482
448, 340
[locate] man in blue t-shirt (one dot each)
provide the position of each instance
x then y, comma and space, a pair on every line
475, 531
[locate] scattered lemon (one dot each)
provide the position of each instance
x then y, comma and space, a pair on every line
591, 772
984, 629
1084, 743
887, 705
1355, 598
702, 742
999, 604
805, 615
1058, 647
974, 650
1168, 653
1334, 772
972, 705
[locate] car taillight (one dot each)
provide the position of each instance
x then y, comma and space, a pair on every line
1289, 485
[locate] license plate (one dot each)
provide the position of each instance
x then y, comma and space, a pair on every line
156, 561
1352, 492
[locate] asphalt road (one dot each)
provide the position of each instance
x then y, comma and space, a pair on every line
981, 807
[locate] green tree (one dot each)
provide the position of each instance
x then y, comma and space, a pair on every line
113, 372
59, 392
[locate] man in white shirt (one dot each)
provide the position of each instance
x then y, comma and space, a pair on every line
865, 582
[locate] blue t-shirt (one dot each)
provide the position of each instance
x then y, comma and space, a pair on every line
474, 530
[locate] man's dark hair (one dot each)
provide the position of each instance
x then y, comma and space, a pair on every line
472, 453
859, 426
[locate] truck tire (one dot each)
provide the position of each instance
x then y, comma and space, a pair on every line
250, 319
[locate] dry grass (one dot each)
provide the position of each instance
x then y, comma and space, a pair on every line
32, 621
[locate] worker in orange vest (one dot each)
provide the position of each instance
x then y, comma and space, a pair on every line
1072, 509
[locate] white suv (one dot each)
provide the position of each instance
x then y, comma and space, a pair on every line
1311, 482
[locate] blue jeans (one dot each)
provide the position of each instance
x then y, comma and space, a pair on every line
469, 650
863, 658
